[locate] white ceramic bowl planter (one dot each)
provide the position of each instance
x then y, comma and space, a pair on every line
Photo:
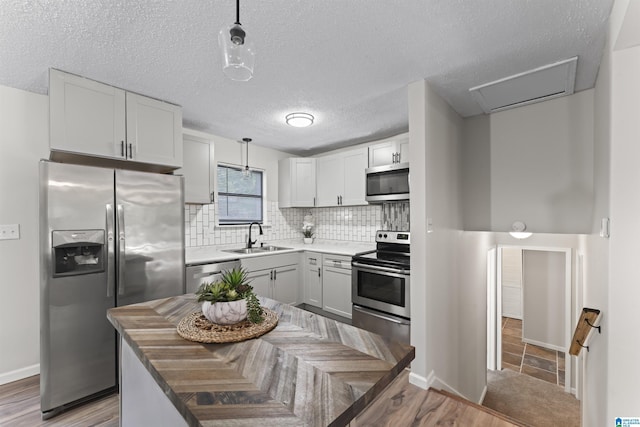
225, 313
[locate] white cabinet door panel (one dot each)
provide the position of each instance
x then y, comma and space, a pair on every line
285, 286
355, 164
313, 279
330, 180
381, 154
154, 131
86, 116
261, 282
197, 164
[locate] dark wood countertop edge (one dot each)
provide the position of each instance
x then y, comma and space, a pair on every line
359, 405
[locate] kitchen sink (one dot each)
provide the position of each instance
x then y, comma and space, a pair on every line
272, 248
257, 249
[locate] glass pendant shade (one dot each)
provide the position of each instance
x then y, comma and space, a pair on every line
238, 59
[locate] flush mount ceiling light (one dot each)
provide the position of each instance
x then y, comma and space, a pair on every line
238, 53
517, 230
299, 120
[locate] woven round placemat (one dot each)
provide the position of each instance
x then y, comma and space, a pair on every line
196, 327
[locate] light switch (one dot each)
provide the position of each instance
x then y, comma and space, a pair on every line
10, 232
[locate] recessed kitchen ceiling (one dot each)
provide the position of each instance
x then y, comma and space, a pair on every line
346, 62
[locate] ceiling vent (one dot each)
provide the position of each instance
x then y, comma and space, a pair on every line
540, 84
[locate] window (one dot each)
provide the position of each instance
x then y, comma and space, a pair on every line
239, 196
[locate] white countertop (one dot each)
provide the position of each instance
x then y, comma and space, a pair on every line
211, 254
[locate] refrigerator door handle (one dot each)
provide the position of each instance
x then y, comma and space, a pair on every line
121, 254
111, 251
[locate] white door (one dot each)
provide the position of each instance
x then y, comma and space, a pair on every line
544, 299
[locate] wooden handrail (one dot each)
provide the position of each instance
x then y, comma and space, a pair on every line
588, 322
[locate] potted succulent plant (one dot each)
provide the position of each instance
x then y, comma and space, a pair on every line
230, 300
308, 235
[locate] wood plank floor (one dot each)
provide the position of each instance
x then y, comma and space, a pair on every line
20, 407
401, 404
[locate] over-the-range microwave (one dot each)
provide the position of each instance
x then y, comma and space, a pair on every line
388, 183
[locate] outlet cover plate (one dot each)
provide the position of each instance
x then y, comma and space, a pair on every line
9, 232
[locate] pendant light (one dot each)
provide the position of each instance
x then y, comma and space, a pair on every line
238, 53
246, 172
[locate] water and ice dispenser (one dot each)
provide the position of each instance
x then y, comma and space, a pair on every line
77, 252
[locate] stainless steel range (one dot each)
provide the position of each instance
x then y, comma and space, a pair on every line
380, 286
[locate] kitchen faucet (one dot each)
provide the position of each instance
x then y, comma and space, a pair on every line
250, 242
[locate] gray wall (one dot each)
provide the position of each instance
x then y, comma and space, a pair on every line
532, 164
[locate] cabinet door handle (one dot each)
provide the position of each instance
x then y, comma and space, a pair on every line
314, 201
318, 272
121, 148
213, 196
341, 200
275, 275
338, 200
393, 158
130, 151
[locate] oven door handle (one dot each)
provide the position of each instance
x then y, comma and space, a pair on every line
375, 269
381, 316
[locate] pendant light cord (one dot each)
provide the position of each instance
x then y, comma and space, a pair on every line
238, 12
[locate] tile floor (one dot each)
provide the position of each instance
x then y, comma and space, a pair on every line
529, 359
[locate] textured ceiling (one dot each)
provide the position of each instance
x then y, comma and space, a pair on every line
346, 62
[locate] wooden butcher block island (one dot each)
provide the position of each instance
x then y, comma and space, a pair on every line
308, 371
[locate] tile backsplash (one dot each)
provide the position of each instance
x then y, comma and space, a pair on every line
354, 223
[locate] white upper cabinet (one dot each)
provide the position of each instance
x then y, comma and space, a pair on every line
389, 152
355, 191
86, 116
154, 131
329, 180
95, 119
197, 170
341, 178
297, 182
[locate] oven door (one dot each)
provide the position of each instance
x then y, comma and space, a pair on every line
381, 288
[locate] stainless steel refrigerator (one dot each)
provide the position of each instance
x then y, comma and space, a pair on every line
108, 237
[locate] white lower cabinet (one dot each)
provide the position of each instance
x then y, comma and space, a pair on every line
313, 279
275, 276
336, 285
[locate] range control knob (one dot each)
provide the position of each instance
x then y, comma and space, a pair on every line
380, 235
385, 236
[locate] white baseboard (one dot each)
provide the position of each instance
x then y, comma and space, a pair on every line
482, 396
433, 381
420, 381
544, 345
18, 374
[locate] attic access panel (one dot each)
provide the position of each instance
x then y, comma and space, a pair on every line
539, 84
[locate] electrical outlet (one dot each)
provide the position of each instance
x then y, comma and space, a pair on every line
10, 232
